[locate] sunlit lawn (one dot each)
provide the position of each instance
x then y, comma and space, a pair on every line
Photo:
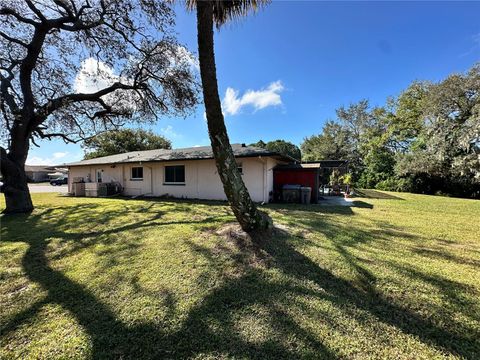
396, 277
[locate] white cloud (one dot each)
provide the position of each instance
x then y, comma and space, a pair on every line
259, 99
93, 76
57, 158
59, 155
183, 55
169, 132
37, 160
231, 104
475, 38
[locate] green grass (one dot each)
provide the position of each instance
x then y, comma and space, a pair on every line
397, 276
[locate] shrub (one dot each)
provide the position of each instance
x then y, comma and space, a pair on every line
394, 184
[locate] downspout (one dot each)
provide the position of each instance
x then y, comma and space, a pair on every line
264, 162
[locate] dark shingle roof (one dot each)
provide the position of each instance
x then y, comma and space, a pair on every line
193, 153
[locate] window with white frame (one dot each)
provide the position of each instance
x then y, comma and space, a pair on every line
175, 174
137, 173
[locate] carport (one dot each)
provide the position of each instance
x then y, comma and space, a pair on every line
311, 174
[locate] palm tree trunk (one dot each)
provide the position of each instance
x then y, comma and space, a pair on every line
245, 211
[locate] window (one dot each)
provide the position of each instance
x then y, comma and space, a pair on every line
175, 174
99, 176
240, 168
137, 173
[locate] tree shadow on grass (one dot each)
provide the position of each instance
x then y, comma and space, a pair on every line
375, 194
444, 254
343, 208
211, 327
458, 339
311, 209
253, 288
362, 204
110, 338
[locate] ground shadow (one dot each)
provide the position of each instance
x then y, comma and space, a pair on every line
443, 254
374, 194
311, 209
110, 338
210, 328
362, 204
363, 295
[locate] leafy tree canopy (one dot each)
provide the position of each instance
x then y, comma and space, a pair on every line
281, 147
331, 144
348, 137
425, 140
450, 136
72, 69
122, 141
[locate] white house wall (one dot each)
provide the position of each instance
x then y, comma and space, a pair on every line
137, 187
201, 178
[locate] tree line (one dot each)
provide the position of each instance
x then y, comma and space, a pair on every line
425, 140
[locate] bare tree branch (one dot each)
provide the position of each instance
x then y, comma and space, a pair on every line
11, 39
9, 11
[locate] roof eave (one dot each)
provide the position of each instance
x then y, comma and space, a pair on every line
269, 154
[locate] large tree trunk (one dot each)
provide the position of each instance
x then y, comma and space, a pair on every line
15, 187
245, 211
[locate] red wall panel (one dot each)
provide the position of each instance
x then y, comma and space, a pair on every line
304, 177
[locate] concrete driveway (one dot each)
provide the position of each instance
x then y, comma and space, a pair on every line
46, 188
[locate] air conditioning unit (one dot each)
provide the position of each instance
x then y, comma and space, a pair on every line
78, 189
91, 189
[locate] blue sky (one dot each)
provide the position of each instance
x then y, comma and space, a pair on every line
288, 67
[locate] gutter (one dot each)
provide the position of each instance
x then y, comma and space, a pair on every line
264, 162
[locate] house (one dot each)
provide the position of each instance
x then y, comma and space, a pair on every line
182, 173
39, 173
58, 172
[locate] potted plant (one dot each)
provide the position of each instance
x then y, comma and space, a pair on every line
347, 181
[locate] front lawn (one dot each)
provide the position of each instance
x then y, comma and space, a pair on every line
397, 276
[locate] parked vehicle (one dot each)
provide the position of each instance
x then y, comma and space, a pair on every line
59, 181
